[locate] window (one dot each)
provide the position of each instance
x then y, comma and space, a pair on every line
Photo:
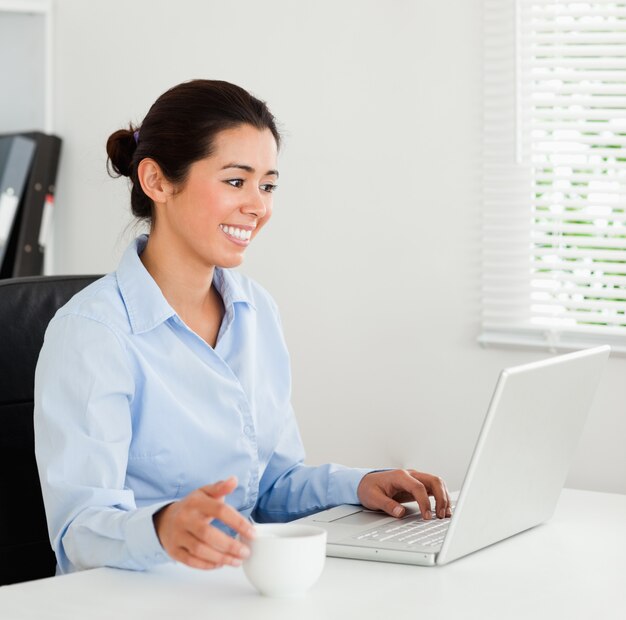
554, 173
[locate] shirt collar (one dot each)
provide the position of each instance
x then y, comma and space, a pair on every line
147, 307
230, 288
143, 299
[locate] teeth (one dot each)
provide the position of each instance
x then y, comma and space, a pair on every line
238, 233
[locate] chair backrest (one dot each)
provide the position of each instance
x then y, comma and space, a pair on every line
26, 307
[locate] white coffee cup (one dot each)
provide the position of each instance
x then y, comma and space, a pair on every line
286, 559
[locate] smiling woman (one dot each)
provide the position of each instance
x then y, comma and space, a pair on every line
172, 373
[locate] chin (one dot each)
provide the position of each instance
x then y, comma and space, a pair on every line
231, 262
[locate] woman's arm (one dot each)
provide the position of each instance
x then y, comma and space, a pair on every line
83, 388
289, 489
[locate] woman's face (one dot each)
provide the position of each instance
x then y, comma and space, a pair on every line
225, 201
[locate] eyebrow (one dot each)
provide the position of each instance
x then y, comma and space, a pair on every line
249, 169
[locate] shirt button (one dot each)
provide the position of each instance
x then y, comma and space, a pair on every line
248, 431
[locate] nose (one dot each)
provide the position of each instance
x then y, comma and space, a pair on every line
255, 204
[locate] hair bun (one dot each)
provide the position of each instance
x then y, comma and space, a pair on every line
121, 146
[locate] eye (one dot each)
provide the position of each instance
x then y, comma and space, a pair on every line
235, 182
269, 187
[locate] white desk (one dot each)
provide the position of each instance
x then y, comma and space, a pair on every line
543, 573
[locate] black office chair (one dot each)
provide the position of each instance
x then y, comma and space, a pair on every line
26, 307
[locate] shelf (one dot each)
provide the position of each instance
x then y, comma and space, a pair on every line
26, 65
28, 6
26, 69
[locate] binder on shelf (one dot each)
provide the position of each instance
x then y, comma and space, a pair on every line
16, 158
37, 204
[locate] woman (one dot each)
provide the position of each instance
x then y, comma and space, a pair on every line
172, 372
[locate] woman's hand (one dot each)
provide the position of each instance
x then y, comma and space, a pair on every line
185, 531
384, 490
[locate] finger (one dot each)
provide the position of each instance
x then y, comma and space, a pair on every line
221, 488
443, 508
183, 555
217, 509
449, 508
228, 515
442, 499
195, 563
418, 491
206, 552
436, 487
378, 500
220, 541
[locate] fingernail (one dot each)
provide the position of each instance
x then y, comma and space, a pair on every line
428, 515
235, 563
251, 532
244, 552
397, 511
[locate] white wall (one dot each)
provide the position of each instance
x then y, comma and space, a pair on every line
377, 212
23, 100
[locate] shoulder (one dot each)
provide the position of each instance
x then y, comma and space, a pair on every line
88, 335
99, 302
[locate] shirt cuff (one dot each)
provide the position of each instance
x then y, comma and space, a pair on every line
343, 485
143, 543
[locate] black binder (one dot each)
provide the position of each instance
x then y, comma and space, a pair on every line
38, 196
16, 157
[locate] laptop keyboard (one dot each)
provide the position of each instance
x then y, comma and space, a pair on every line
413, 531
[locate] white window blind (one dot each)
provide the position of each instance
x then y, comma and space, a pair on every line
554, 173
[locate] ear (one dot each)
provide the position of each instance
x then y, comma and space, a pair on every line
153, 181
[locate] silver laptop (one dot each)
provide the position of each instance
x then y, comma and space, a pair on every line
522, 456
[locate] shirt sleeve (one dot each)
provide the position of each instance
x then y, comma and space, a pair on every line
289, 489
83, 388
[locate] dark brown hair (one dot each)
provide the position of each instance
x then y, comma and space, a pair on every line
180, 129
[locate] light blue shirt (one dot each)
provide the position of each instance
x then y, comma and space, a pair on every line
133, 410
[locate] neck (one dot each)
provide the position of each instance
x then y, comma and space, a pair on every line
186, 286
